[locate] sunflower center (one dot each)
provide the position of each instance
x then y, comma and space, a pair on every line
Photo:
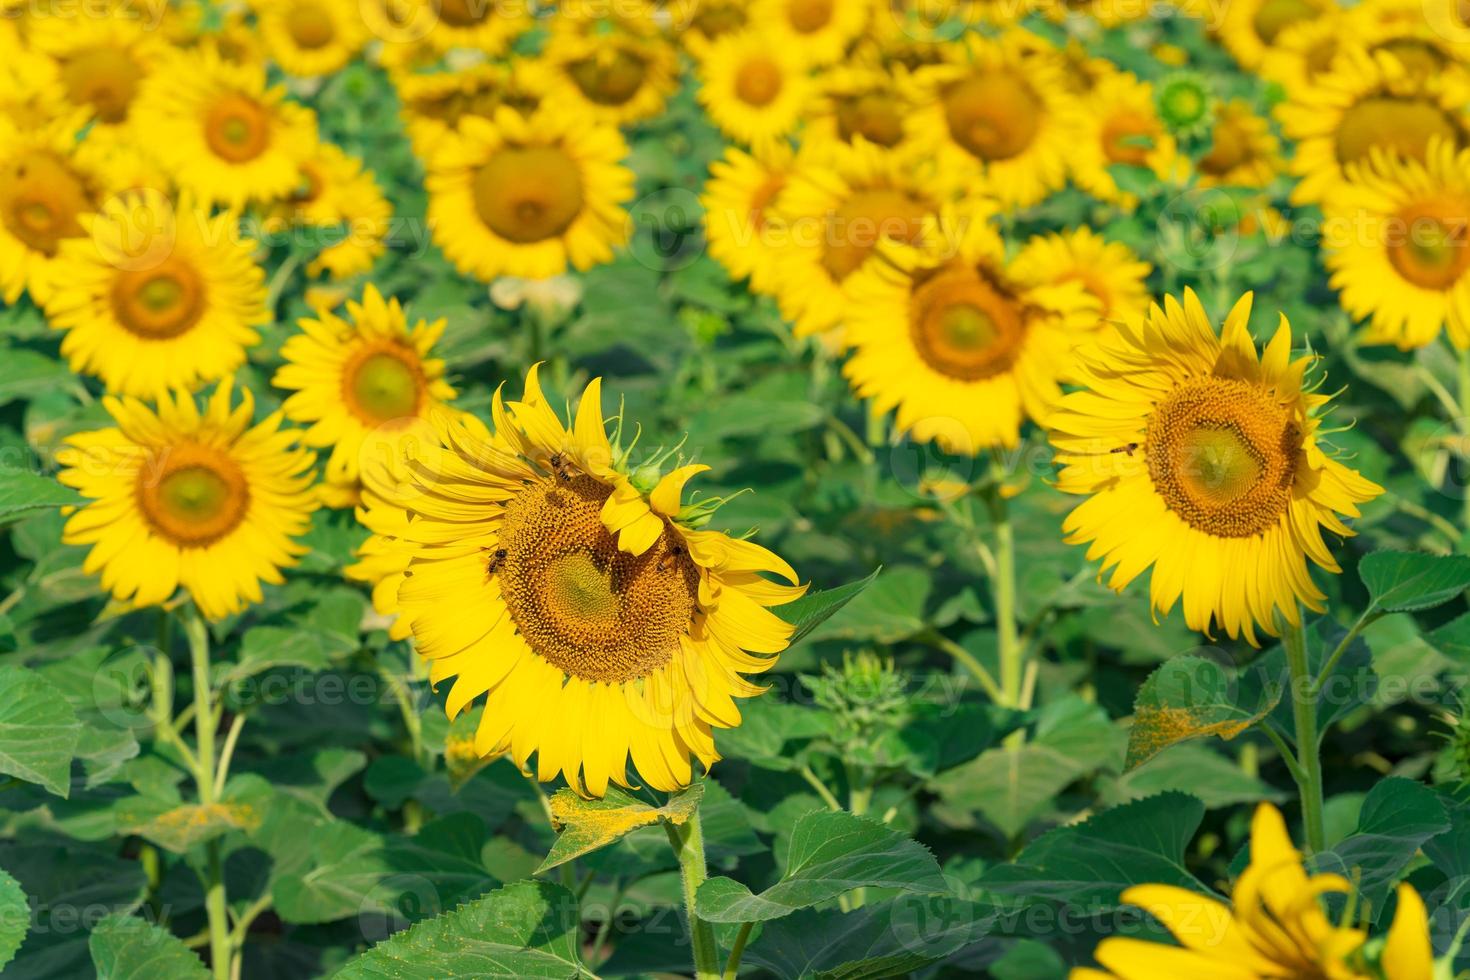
528, 194
192, 495
160, 302
1319, 56
1274, 16
41, 198
762, 198
1435, 250
964, 326
1230, 147
610, 80
1222, 453
464, 13
310, 26
103, 77
1128, 137
1399, 125
873, 115
866, 218
590, 610
713, 20
995, 116
807, 16
237, 129
758, 81
382, 385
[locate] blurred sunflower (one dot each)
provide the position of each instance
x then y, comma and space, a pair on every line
1202, 460
999, 108
336, 192
961, 346
31, 93
102, 62
744, 235
755, 90
1276, 926
616, 80
1397, 237
1110, 271
435, 102
1123, 127
1363, 102
529, 196
579, 598
857, 102
1243, 150
308, 38
709, 20
184, 498
486, 26
1407, 30
820, 29
156, 297
1306, 50
364, 377
224, 136
1250, 27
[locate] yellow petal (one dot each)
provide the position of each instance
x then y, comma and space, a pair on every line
668, 496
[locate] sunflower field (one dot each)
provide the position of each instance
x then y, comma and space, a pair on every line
735, 488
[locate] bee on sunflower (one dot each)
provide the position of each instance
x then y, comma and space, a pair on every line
578, 594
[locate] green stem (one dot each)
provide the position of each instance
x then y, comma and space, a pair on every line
688, 843
1304, 713
816, 783
215, 905
732, 965
1464, 422
1008, 637
967, 659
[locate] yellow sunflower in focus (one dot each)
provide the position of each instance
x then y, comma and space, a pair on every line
1276, 927
1110, 271
336, 192
820, 29
858, 102
308, 38
226, 137
1368, 101
1123, 127
617, 80
1397, 237
1250, 27
1243, 150
529, 196
578, 598
1201, 460
366, 377
744, 234
102, 62
157, 298
962, 347
999, 108
831, 218
183, 498
755, 90
46, 188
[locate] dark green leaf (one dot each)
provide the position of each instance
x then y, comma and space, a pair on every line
127, 948
1398, 817
38, 730
1409, 581
23, 492
814, 608
1192, 697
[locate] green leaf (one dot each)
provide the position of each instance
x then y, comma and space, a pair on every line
830, 854
15, 917
1453, 639
815, 608
22, 493
1409, 581
1094, 862
268, 647
38, 730
767, 730
179, 827
1192, 697
527, 930
127, 948
1196, 769
586, 825
27, 373
890, 611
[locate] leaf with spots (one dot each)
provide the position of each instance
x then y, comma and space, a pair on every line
1193, 697
587, 825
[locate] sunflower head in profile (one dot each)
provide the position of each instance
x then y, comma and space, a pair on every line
616, 79
1367, 101
226, 137
1243, 151
361, 381
579, 596
755, 90
1276, 925
1397, 238
158, 296
529, 196
1202, 459
739, 222
952, 338
183, 497
1111, 272
309, 38
102, 61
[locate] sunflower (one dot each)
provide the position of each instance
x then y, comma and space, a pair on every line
616, 80
434, 102
1250, 27
1110, 271
225, 136
31, 93
1123, 127
1418, 33
1276, 926
710, 20
157, 298
529, 196
1397, 237
964, 348
336, 192
184, 498
833, 215
744, 234
1306, 50
361, 379
1243, 150
858, 102
1363, 102
1001, 110
1202, 460
487, 26
308, 38
46, 188
598, 621
102, 62
820, 29
755, 90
